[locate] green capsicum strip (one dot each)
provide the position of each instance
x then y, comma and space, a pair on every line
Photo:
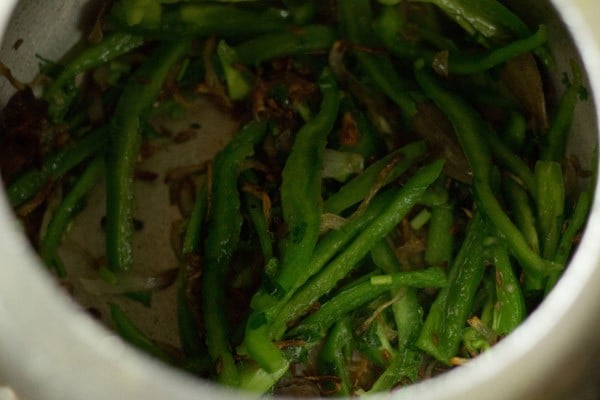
388, 27
550, 197
189, 335
254, 207
301, 186
443, 328
509, 310
122, 153
187, 20
407, 311
356, 19
489, 21
513, 163
405, 364
334, 356
463, 64
519, 204
193, 232
303, 40
556, 139
55, 166
224, 227
408, 315
440, 237
575, 224
358, 188
61, 93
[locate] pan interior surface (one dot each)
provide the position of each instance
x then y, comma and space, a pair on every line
55, 351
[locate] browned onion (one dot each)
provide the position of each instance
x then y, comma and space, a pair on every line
522, 77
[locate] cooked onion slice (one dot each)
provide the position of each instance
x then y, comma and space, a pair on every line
131, 282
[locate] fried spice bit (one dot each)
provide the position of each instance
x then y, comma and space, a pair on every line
263, 196
32, 213
24, 118
95, 313
145, 175
17, 44
349, 133
279, 96
456, 361
212, 85
26, 209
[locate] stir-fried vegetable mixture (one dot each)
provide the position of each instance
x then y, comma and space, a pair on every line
397, 199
